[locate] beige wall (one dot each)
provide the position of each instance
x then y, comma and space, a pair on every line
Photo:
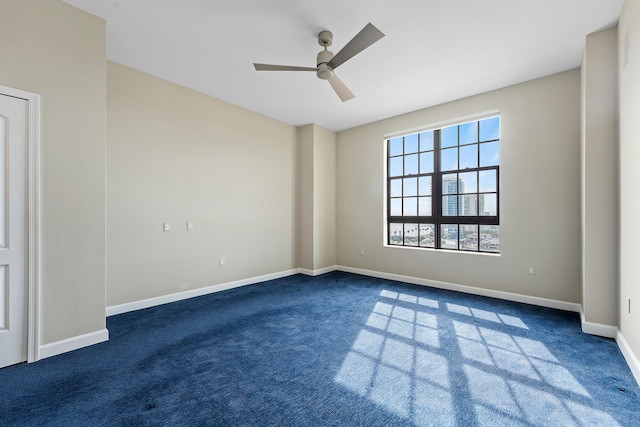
58, 51
599, 171
540, 194
629, 76
174, 156
317, 197
304, 217
324, 209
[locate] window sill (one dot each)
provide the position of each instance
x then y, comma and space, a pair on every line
432, 250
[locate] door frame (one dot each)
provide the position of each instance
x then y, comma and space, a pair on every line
33, 219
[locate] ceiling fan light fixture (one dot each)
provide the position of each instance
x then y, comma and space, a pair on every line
325, 72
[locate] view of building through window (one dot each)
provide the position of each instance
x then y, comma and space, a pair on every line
443, 187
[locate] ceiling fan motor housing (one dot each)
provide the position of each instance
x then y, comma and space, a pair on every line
325, 72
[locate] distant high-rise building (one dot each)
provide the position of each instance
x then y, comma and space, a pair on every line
469, 205
449, 190
455, 202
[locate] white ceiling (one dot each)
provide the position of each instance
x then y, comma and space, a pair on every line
434, 50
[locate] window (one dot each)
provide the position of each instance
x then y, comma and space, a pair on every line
443, 188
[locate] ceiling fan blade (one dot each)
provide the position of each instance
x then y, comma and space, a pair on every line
365, 38
343, 92
270, 67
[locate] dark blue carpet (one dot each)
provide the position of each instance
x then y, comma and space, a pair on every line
334, 350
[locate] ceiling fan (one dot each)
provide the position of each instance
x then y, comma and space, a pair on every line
327, 61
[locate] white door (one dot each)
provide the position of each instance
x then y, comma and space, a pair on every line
13, 230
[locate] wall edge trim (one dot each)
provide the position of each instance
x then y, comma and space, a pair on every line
629, 356
599, 329
319, 271
179, 296
509, 296
73, 343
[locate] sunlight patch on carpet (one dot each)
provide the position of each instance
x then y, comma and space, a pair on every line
399, 361
391, 364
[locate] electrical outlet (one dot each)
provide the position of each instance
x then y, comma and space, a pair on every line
531, 271
166, 226
189, 226
222, 261
361, 251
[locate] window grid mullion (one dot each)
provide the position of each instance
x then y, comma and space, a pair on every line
437, 188
437, 218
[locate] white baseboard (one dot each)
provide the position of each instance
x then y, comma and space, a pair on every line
73, 343
597, 328
587, 327
319, 271
179, 296
70, 344
629, 356
543, 302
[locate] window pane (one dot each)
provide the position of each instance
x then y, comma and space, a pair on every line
411, 144
490, 129
490, 238
469, 237
426, 141
468, 182
468, 205
449, 205
395, 147
427, 236
450, 183
411, 234
426, 162
490, 154
410, 206
449, 236
465, 194
411, 164
395, 166
488, 205
449, 137
396, 188
469, 156
424, 186
395, 234
396, 207
488, 181
410, 187
468, 133
449, 159
424, 206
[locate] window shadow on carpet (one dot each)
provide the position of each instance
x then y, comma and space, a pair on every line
443, 363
